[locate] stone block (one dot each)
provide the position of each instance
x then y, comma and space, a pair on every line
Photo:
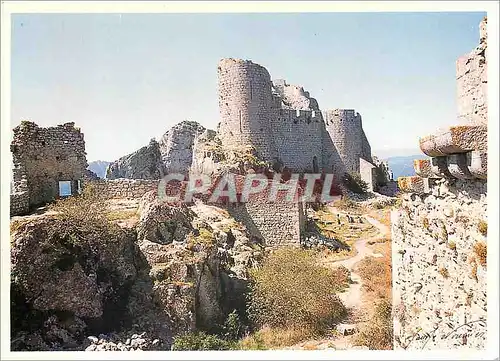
477, 163
414, 184
439, 167
457, 166
423, 168
456, 139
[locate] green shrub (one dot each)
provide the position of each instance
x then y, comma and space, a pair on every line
200, 341
292, 290
354, 183
233, 327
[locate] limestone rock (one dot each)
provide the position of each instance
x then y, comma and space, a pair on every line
145, 163
176, 146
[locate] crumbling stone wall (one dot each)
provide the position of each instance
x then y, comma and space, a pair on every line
275, 223
439, 234
439, 279
145, 163
124, 188
42, 157
472, 82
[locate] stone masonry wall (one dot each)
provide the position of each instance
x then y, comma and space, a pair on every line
439, 278
19, 203
279, 223
44, 156
284, 123
472, 83
344, 127
245, 101
298, 138
124, 188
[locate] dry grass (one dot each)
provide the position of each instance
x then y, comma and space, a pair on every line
376, 274
377, 333
274, 338
480, 252
122, 214
16, 224
444, 272
291, 290
483, 228
348, 205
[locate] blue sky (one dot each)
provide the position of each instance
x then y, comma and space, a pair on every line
127, 78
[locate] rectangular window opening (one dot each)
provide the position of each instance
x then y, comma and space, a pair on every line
64, 188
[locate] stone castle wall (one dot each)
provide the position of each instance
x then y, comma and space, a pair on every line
298, 138
472, 83
439, 235
345, 129
439, 279
44, 156
245, 102
284, 123
123, 188
263, 219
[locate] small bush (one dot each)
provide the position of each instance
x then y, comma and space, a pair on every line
292, 290
200, 341
376, 274
272, 338
483, 228
480, 251
233, 327
444, 272
354, 183
377, 334
452, 245
88, 207
425, 223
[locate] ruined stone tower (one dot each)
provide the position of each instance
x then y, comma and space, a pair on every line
245, 102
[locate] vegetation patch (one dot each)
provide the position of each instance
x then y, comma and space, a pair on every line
292, 290
377, 333
355, 183
480, 252
483, 228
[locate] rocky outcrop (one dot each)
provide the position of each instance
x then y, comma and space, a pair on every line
87, 285
172, 154
176, 146
146, 163
99, 167
69, 279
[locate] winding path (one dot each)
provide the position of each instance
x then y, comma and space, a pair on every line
352, 296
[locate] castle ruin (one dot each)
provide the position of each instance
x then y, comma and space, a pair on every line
285, 124
48, 163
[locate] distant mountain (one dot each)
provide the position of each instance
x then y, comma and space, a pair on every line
402, 166
99, 167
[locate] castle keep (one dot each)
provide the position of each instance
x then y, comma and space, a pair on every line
285, 124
